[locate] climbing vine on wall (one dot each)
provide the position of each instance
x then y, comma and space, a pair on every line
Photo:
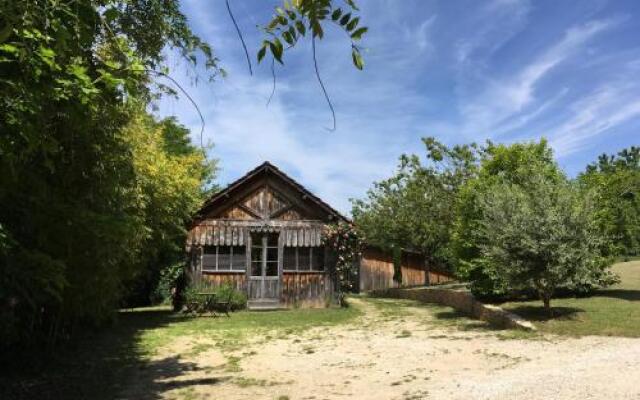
345, 242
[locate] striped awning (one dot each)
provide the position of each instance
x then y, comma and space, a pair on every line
235, 233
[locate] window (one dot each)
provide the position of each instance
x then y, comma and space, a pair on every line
303, 259
264, 245
317, 258
224, 258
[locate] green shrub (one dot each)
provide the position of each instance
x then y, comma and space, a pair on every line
237, 299
166, 289
541, 236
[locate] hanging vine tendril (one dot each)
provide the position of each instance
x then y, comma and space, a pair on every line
294, 20
324, 90
244, 46
193, 102
164, 75
273, 74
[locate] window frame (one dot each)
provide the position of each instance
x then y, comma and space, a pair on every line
216, 269
297, 269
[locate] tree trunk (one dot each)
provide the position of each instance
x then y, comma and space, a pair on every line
546, 300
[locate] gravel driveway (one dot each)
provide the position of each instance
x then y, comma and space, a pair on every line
418, 354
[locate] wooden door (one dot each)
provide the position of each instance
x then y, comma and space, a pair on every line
264, 274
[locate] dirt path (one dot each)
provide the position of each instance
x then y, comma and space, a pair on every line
410, 354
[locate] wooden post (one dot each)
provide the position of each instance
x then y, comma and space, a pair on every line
281, 238
247, 282
426, 272
201, 261
247, 271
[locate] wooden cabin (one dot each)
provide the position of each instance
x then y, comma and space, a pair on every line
263, 235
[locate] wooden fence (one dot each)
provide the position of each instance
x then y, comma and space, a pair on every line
376, 271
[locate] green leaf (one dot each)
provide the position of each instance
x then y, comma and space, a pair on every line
262, 52
110, 14
345, 19
272, 25
47, 55
9, 48
317, 29
352, 4
354, 22
357, 59
336, 14
301, 27
112, 64
276, 49
5, 32
357, 35
287, 37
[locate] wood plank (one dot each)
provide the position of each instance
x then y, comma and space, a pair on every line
305, 289
236, 280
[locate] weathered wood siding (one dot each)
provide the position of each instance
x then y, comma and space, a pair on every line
413, 270
376, 270
437, 277
311, 289
236, 280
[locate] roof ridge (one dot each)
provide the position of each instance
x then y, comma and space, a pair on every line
264, 166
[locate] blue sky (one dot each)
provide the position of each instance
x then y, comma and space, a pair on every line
462, 71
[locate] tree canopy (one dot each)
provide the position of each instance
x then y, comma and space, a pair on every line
616, 180
504, 218
540, 235
413, 209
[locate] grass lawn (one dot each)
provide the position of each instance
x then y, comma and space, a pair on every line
96, 365
614, 311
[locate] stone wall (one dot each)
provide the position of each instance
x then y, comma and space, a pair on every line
463, 301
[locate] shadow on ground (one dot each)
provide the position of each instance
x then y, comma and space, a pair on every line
539, 314
464, 322
622, 294
98, 365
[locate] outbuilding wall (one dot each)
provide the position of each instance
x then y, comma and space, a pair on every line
376, 271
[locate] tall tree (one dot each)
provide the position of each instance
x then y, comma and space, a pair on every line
498, 163
493, 219
616, 180
540, 235
413, 209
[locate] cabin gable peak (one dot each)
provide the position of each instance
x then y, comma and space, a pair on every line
267, 193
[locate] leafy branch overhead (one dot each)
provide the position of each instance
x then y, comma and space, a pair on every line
298, 17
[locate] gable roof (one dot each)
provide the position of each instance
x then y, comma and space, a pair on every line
266, 168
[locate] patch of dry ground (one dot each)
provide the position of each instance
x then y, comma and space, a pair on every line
403, 353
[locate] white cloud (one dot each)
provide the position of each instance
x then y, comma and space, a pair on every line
606, 108
490, 27
504, 99
421, 36
520, 91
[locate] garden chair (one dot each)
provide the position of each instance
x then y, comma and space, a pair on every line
222, 305
201, 305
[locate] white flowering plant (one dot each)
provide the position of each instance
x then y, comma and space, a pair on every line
346, 244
